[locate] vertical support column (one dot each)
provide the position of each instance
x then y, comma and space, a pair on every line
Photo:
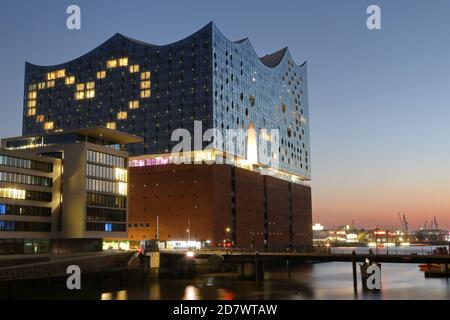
288, 267
355, 279
257, 267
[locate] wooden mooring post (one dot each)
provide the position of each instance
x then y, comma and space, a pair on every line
355, 279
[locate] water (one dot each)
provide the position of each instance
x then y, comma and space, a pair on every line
331, 280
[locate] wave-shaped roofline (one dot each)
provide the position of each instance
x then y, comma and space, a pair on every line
271, 60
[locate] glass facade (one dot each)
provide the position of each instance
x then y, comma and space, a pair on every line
25, 179
149, 91
25, 163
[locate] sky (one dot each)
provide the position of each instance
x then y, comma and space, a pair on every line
379, 100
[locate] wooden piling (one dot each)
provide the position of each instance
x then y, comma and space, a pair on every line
355, 279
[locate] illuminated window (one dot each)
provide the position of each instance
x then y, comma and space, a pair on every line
145, 93
31, 112
145, 75
145, 84
123, 62
134, 68
50, 84
122, 188
32, 95
41, 85
61, 73
80, 87
70, 80
283, 107
32, 87
48, 125
90, 94
79, 95
111, 125
40, 118
31, 103
90, 85
111, 63
51, 76
101, 74
133, 104
12, 193
120, 174
122, 115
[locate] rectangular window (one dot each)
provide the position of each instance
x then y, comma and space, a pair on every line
101, 74
111, 125
123, 62
90, 85
134, 68
79, 95
145, 84
61, 73
32, 87
145, 93
133, 104
90, 94
40, 118
41, 85
122, 115
51, 76
48, 125
31, 103
80, 87
70, 80
32, 95
31, 112
50, 84
111, 64
145, 75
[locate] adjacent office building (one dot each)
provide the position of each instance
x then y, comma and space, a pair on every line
151, 90
79, 178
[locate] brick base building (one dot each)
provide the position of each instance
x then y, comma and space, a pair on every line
213, 203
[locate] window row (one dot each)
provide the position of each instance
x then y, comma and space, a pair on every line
106, 159
25, 163
102, 214
104, 200
10, 209
118, 174
107, 186
106, 227
25, 226
25, 179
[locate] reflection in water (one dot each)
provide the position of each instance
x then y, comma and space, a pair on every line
314, 281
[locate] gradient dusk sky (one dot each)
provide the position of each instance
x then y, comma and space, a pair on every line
379, 100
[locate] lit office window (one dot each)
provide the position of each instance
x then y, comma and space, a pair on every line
111, 125
122, 188
145, 75
90, 94
31, 103
32, 95
90, 85
32, 87
145, 84
145, 93
51, 76
80, 87
12, 193
79, 95
120, 174
61, 73
41, 85
48, 125
101, 74
123, 62
111, 64
122, 115
50, 84
40, 118
31, 111
133, 104
70, 80
134, 68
